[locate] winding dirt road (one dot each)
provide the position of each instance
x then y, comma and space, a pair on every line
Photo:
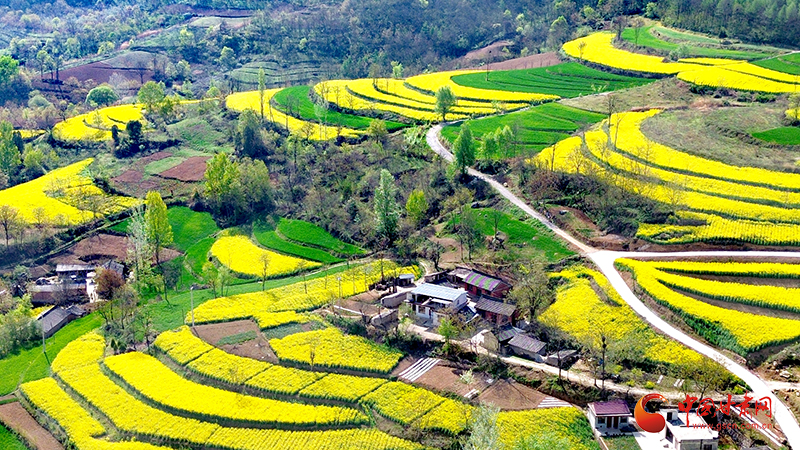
605, 262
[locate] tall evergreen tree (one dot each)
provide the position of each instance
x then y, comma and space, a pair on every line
387, 213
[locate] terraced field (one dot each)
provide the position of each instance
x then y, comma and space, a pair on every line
655, 37
564, 80
295, 101
708, 304
719, 202
716, 72
538, 127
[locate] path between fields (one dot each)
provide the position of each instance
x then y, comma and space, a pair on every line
15, 417
604, 260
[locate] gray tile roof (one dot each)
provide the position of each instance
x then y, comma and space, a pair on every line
527, 343
503, 309
436, 291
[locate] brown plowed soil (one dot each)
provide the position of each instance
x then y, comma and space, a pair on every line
525, 62
192, 169
14, 416
510, 395
130, 176
257, 348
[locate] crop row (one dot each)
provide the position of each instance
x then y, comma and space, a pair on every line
402, 403
136, 418
241, 101
300, 296
773, 297
154, 381
331, 348
580, 312
716, 229
737, 331
241, 255
62, 197
598, 48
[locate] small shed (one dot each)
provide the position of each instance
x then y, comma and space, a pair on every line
609, 417
478, 283
494, 339
457, 275
564, 358
434, 277
496, 312
405, 279
524, 345
55, 318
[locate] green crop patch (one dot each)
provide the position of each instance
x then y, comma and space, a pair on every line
270, 239
782, 135
565, 80
295, 101
308, 233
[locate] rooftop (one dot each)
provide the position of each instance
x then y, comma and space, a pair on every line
74, 267
406, 276
493, 306
695, 430
436, 291
484, 281
527, 343
54, 316
506, 332
610, 408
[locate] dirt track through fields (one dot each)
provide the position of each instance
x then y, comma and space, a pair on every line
15, 417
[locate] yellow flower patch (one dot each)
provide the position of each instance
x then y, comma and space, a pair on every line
241, 255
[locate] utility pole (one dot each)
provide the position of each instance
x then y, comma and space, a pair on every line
191, 301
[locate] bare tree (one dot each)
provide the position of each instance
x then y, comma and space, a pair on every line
11, 221
264, 260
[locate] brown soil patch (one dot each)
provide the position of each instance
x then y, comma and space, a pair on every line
102, 247
192, 169
448, 379
130, 176
404, 364
526, 62
510, 395
154, 157
257, 348
19, 420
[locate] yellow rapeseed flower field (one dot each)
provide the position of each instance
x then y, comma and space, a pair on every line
743, 203
568, 423
331, 348
580, 312
338, 92
431, 82
133, 417
735, 330
96, 125
159, 384
599, 48
241, 255
241, 101
300, 296
61, 197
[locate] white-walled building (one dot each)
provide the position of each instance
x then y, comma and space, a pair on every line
692, 435
432, 301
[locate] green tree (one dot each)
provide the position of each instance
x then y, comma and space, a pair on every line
221, 178
464, 149
151, 95
377, 130
227, 58
490, 146
416, 207
135, 137
102, 95
248, 139
469, 234
140, 250
448, 330
9, 67
158, 226
397, 70
531, 293
10, 221
262, 87
387, 213
558, 33
445, 100
10, 158
484, 434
